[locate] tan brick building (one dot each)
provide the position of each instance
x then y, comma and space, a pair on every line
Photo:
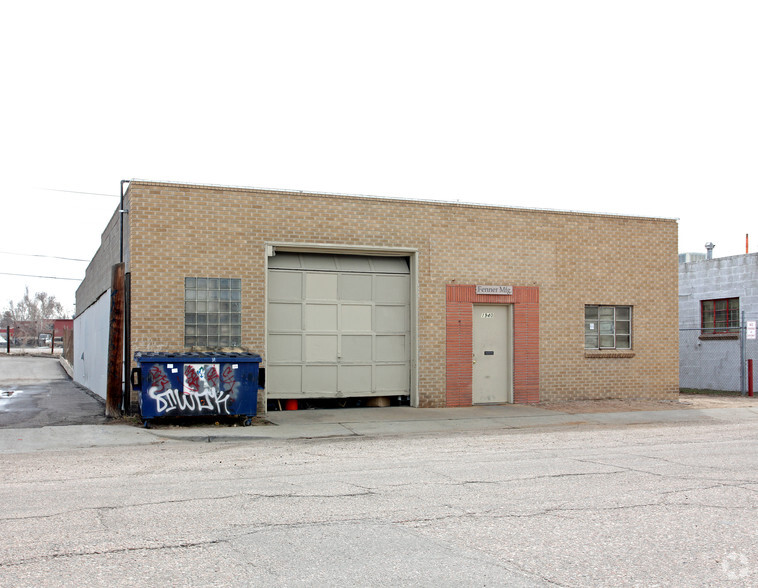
446, 304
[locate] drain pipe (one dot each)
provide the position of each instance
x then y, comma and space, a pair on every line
121, 224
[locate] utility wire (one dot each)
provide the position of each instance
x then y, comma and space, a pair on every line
33, 276
77, 192
47, 256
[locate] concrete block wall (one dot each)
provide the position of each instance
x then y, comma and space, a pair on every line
714, 363
97, 278
574, 259
723, 277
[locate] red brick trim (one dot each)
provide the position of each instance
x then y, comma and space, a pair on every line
526, 322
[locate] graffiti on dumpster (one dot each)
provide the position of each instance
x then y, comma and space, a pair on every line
202, 391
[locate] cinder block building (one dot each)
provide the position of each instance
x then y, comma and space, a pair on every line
714, 295
445, 304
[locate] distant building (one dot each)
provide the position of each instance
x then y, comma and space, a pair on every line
713, 295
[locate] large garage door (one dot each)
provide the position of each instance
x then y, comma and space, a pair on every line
338, 326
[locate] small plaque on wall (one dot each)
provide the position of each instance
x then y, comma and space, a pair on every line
495, 290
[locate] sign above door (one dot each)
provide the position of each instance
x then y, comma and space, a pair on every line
496, 290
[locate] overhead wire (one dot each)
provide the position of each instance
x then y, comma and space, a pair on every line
40, 255
34, 276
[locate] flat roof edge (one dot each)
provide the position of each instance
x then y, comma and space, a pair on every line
394, 199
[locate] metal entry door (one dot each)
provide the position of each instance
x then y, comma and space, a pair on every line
492, 354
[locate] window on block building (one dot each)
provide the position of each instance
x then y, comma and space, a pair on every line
212, 312
607, 327
720, 316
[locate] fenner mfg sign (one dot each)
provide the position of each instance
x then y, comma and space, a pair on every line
496, 290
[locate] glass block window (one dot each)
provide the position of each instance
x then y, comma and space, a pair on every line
607, 327
212, 312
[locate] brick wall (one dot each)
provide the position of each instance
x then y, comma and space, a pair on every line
572, 259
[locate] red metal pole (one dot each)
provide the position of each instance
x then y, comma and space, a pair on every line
749, 377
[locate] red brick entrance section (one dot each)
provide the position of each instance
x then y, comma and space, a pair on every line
526, 342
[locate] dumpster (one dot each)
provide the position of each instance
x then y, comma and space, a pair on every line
197, 384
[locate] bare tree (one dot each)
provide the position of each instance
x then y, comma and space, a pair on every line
32, 315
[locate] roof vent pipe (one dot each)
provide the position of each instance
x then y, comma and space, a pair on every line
709, 248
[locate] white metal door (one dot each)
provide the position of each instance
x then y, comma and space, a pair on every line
492, 354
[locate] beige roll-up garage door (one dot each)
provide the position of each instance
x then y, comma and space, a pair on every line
338, 326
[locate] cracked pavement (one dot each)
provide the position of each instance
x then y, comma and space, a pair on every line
645, 505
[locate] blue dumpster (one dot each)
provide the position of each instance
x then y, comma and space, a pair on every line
197, 384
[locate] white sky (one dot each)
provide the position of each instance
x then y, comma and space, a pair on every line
647, 108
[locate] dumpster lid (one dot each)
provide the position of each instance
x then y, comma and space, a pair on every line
197, 356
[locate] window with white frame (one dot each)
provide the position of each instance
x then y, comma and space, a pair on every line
607, 327
212, 312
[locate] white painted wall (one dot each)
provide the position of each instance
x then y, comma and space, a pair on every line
91, 332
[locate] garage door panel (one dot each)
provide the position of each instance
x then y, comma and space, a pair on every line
320, 317
356, 317
391, 319
321, 348
320, 378
286, 347
285, 286
355, 379
391, 348
356, 287
357, 349
285, 379
394, 289
392, 378
284, 317
321, 286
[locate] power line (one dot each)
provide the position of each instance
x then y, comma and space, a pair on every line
47, 256
78, 192
46, 277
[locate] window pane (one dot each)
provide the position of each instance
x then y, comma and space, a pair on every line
190, 295
202, 284
623, 313
189, 306
623, 342
236, 284
606, 341
189, 282
590, 327
605, 312
590, 342
606, 327
622, 327
190, 318
190, 341
223, 284
590, 312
